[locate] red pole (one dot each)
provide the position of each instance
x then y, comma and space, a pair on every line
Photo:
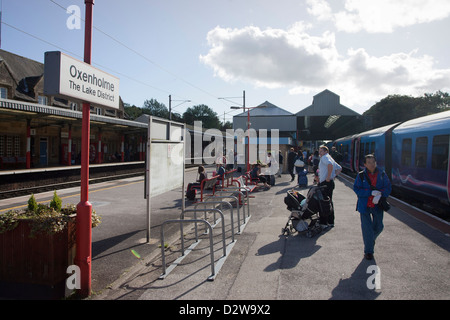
69, 152
84, 208
28, 154
248, 141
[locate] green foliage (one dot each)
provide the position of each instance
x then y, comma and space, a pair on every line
44, 219
9, 221
32, 204
398, 108
132, 111
56, 202
204, 114
155, 108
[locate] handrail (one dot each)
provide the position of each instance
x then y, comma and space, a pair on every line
181, 221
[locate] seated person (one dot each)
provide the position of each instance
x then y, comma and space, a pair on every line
256, 174
190, 192
220, 172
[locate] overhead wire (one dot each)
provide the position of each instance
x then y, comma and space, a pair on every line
141, 55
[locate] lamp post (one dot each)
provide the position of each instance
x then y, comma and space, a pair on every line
248, 131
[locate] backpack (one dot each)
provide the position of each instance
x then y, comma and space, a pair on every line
191, 193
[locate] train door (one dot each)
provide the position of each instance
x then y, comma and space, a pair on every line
355, 155
43, 152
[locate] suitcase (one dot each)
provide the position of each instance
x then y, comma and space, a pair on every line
271, 180
303, 180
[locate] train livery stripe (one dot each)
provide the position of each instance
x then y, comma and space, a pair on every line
448, 173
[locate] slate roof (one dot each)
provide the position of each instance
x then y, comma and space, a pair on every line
326, 103
266, 109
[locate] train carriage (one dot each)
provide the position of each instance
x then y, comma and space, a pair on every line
414, 154
420, 156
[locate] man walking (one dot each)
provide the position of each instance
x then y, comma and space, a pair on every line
370, 185
291, 160
328, 170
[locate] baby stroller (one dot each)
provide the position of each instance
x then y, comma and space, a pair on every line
305, 211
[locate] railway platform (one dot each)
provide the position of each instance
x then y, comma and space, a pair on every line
411, 256
411, 259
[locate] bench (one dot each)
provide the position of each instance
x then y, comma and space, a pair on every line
239, 182
269, 177
208, 184
251, 180
228, 175
5, 161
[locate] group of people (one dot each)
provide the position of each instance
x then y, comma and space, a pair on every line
325, 170
371, 186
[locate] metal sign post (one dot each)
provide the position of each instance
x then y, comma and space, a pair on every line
165, 166
84, 208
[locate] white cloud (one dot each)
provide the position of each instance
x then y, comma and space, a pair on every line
302, 63
271, 57
381, 16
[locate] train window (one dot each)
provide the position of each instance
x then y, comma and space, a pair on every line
372, 147
421, 152
439, 153
367, 151
406, 152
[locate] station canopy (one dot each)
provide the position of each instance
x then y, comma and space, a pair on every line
326, 119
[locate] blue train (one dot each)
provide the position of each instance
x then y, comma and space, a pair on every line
413, 153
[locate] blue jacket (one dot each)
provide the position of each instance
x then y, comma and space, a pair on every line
363, 190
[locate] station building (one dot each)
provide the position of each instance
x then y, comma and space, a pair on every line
37, 130
326, 119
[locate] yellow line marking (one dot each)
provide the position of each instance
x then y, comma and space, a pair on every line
73, 195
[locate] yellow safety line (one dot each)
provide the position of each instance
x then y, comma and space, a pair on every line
73, 195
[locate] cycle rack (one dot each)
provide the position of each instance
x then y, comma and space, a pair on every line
176, 262
240, 191
226, 249
237, 204
225, 197
208, 227
221, 203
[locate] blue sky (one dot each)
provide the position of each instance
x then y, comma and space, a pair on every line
282, 51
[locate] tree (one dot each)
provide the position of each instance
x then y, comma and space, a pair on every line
399, 108
227, 125
132, 111
155, 108
204, 114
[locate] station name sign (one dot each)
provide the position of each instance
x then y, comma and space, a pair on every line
72, 79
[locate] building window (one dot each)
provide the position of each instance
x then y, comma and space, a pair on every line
3, 93
74, 106
98, 111
42, 100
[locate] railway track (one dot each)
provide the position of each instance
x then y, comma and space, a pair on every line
23, 188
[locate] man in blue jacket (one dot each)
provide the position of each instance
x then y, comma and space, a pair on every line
370, 185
